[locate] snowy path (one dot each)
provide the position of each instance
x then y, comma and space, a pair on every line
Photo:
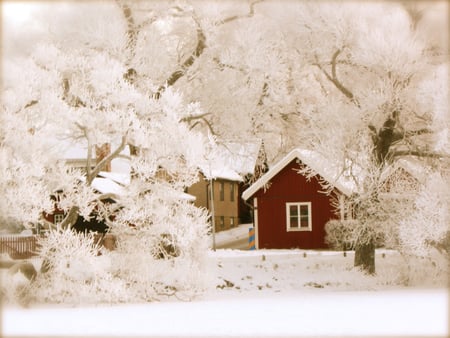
294, 313
236, 238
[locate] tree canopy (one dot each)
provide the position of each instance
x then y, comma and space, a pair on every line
360, 83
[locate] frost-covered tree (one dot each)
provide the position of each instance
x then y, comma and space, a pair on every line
354, 82
75, 84
370, 101
426, 228
362, 84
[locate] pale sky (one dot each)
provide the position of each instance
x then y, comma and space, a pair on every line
17, 12
17, 18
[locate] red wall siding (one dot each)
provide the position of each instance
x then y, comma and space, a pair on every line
289, 186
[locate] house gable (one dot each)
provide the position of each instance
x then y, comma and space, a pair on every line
404, 177
308, 158
288, 188
400, 181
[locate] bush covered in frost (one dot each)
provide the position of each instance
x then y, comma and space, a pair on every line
159, 256
74, 270
342, 235
424, 233
339, 234
163, 255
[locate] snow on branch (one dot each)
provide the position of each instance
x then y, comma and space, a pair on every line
334, 79
196, 53
250, 13
107, 159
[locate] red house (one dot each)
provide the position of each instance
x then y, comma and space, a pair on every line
291, 210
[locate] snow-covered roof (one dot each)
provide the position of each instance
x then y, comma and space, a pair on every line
185, 196
217, 172
118, 177
107, 186
75, 151
78, 151
232, 160
411, 165
314, 161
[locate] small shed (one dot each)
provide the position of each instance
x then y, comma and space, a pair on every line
404, 178
290, 209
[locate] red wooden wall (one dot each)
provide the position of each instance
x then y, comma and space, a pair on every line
289, 186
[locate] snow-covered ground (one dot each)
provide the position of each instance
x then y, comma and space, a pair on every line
264, 293
235, 238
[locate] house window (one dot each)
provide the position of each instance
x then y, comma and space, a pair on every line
222, 191
298, 216
222, 222
58, 218
232, 221
232, 192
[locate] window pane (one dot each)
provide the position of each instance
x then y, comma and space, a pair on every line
304, 210
304, 216
58, 218
293, 210
222, 191
304, 223
294, 222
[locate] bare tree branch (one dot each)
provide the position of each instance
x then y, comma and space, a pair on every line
89, 148
70, 218
264, 94
73, 101
222, 65
419, 153
132, 31
198, 51
105, 160
248, 15
422, 131
31, 103
198, 119
191, 118
334, 79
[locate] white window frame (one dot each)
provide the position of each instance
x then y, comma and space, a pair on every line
58, 218
288, 216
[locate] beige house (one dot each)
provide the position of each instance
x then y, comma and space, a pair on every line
227, 174
223, 203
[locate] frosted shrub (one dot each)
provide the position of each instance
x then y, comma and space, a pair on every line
74, 270
15, 285
339, 234
424, 233
427, 226
164, 255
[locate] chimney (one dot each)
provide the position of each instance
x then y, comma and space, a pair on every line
102, 151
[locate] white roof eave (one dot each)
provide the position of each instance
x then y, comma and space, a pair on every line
294, 154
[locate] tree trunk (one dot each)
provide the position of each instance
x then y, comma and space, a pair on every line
70, 219
365, 257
